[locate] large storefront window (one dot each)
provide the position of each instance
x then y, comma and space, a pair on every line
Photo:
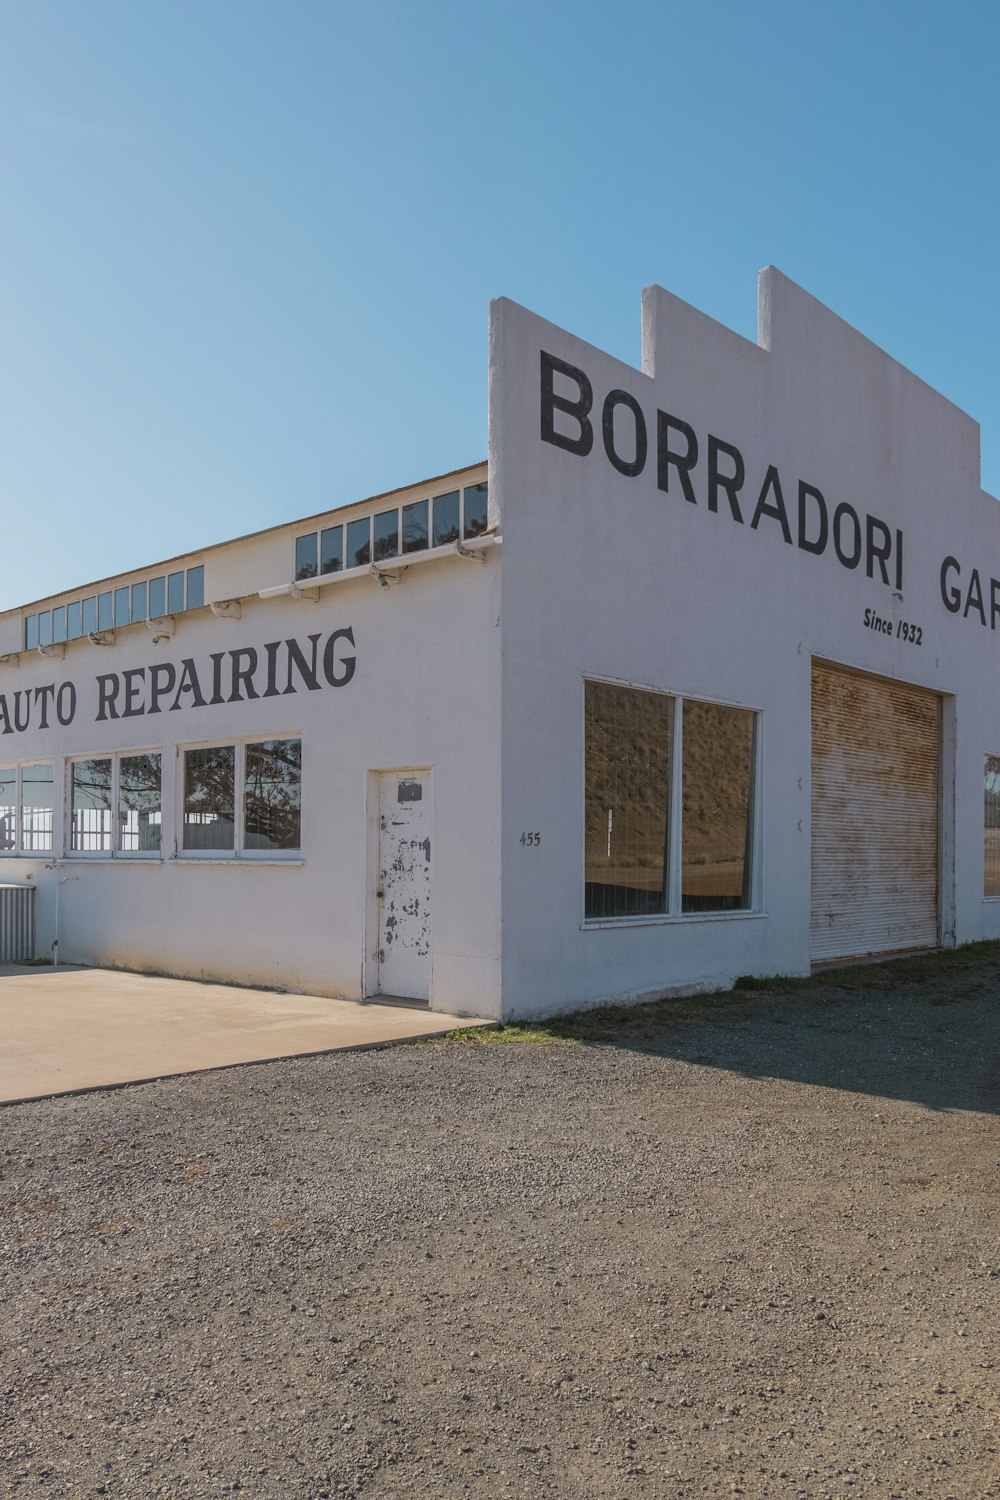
668, 804
265, 818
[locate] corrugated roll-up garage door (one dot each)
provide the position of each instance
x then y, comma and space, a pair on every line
876, 753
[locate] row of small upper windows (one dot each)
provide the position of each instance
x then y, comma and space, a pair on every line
169, 594
458, 515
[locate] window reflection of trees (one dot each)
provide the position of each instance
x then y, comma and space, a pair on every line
272, 795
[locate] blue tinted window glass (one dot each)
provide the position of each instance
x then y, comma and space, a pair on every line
305, 556
359, 542
475, 510
331, 549
446, 527
175, 593
387, 534
31, 632
138, 601
196, 587
45, 628
90, 615
122, 616
415, 526
73, 628
105, 611
59, 623
157, 597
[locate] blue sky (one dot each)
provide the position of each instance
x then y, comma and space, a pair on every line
248, 248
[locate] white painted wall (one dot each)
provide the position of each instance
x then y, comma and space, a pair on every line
425, 692
608, 575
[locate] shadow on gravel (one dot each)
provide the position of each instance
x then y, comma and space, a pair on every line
924, 1029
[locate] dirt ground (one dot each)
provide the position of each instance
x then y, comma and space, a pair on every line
743, 1246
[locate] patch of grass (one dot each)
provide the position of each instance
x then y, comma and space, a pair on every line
638, 1024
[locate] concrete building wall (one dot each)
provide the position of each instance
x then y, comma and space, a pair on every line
614, 571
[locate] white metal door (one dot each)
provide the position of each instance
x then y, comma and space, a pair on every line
404, 873
876, 786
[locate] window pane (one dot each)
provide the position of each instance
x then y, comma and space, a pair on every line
209, 780
90, 615
90, 830
475, 510
272, 795
196, 587
415, 526
8, 809
73, 626
359, 542
387, 534
331, 549
105, 612
59, 623
122, 616
175, 593
305, 556
138, 601
716, 783
446, 518
157, 597
36, 809
139, 804
991, 827
45, 628
627, 772
30, 632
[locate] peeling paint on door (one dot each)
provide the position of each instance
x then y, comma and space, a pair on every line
404, 927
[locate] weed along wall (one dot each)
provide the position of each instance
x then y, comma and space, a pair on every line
696, 679
216, 790
759, 727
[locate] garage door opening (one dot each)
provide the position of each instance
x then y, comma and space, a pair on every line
876, 795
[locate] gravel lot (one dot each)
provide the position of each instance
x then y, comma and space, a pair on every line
741, 1248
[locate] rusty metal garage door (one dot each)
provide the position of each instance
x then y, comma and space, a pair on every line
876, 755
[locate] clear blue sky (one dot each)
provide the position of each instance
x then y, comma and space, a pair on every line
248, 247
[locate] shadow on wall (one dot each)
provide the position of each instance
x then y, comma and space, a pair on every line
923, 1029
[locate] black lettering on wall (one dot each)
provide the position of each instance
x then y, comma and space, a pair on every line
668, 458
66, 703
108, 687
306, 670
776, 508
874, 552
717, 480
815, 544
852, 558
949, 593
994, 602
974, 598
899, 560
347, 663
217, 658
133, 680
189, 684
18, 725
577, 410
271, 650
4, 715
627, 466
243, 675
161, 683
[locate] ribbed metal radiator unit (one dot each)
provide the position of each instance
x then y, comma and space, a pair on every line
17, 924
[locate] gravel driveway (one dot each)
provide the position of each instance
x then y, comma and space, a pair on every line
741, 1248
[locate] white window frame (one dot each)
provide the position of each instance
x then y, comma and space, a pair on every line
17, 767
239, 850
115, 757
675, 812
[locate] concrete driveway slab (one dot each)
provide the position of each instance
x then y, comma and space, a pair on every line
67, 1029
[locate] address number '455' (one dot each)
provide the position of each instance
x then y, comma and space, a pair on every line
532, 840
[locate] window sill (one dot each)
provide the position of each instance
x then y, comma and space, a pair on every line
669, 919
109, 859
244, 860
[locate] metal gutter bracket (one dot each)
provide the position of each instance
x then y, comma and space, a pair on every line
226, 609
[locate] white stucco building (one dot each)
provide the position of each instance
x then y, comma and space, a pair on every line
696, 678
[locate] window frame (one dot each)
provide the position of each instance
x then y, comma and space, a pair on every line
115, 757
18, 767
239, 851
675, 812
